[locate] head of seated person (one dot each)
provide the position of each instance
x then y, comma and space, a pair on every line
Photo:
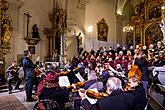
113, 84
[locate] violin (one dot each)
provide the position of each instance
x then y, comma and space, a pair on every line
63, 73
66, 72
89, 93
15, 70
39, 71
95, 95
75, 86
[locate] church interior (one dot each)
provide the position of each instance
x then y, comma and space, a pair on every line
82, 44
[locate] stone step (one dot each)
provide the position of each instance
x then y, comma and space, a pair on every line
3, 86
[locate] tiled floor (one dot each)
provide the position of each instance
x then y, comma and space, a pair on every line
21, 96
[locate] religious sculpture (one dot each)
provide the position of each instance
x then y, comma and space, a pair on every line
35, 33
162, 26
6, 32
34, 39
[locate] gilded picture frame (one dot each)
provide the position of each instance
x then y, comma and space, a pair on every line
102, 30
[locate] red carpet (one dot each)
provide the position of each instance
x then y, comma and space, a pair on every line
10, 102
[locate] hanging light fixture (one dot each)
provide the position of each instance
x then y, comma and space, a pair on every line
128, 27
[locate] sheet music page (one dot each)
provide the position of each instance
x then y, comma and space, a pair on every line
64, 81
122, 74
81, 79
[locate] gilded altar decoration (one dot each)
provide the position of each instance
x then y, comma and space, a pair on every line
153, 34
138, 31
129, 39
147, 22
6, 32
6, 28
102, 30
56, 34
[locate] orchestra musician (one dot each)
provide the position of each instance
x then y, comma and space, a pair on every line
142, 63
135, 87
49, 88
116, 99
13, 75
29, 74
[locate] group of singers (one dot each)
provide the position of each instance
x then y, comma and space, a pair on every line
126, 92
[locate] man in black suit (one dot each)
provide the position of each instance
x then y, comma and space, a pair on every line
142, 63
28, 67
116, 100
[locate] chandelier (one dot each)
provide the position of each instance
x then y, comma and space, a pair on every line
127, 28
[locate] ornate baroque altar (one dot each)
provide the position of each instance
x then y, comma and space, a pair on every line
5, 36
146, 23
56, 35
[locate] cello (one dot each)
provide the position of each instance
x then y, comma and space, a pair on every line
134, 78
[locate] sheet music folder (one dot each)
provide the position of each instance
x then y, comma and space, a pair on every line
64, 81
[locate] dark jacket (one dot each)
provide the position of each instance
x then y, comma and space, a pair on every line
142, 64
117, 100
28, 67
60, 95
140, 97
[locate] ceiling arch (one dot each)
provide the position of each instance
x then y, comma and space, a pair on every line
120, 4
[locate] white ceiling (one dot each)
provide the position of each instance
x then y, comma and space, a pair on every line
121, 3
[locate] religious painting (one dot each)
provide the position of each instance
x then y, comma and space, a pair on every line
153, 34
102, 30
31, 49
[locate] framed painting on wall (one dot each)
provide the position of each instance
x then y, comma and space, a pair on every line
102, 30
31, 49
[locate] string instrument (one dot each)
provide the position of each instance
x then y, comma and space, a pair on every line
95, 95
39, 71
137, 52
135, 71
75, 87
15, 70
63, 73
134, 77
130, 86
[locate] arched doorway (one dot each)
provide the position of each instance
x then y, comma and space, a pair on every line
153, 34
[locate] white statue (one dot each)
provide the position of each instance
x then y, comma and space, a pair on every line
162, 26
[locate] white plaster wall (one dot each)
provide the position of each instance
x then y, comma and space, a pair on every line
95, 11
76, 24
39, 10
